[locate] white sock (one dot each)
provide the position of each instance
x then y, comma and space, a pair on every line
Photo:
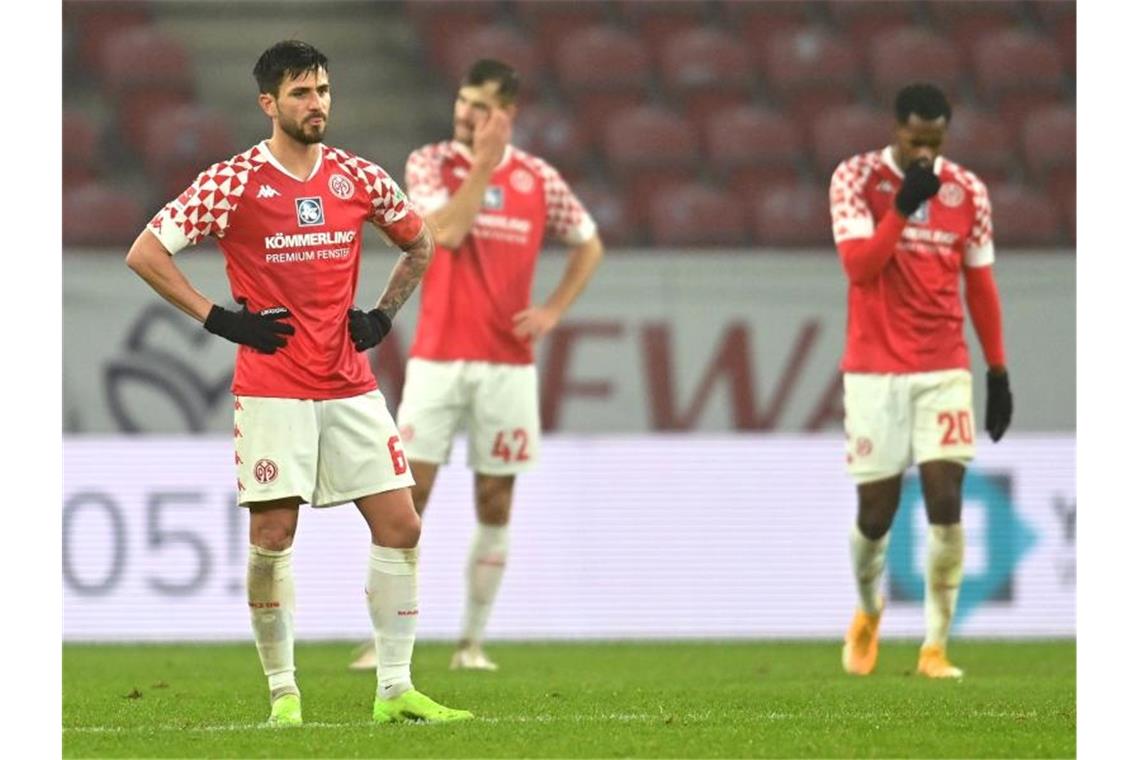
485, 565
393, 605
945, 548
269, 590
868, 559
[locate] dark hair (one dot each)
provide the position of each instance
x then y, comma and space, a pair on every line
288, 58
925, 100
490, 70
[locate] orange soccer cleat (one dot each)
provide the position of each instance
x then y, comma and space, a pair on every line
861, 646
932, 663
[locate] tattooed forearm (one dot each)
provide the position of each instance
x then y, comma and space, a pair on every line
407, 273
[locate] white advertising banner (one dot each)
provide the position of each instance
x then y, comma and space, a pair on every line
613, 537
661, 341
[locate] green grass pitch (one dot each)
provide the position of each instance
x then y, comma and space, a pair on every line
637, 699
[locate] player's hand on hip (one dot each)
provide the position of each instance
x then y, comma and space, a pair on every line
919, 183
491, 137
999, 404
367, 328
533, 323
263, 330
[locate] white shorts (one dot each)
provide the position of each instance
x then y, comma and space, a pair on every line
326, 452
497, 403
893, 421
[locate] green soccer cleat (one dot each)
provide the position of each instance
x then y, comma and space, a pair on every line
286, 711
414, 706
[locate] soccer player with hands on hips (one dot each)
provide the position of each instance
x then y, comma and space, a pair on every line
909, 225
310, 424
491, 207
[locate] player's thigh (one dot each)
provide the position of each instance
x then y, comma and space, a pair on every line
432, 407
275, 448
876, 419
504, 425
360, 451
943, 417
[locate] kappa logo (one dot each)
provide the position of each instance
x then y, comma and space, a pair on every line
265, 191
310, 211
885, 187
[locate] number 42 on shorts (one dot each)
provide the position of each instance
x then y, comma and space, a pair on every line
504, 440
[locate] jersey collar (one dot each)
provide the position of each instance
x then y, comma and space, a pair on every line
889, 160
272, 161
464, 151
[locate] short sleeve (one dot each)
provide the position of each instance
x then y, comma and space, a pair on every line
391, 212
980, 243
850, 214
424, 181
202, 209
566, 217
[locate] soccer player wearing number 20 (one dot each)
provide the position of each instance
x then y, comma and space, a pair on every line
909, 224
310, 424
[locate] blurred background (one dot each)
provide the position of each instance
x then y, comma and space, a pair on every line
691, 398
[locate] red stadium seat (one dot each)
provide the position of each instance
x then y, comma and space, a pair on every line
602, 70
80, 149
495, 41
1064, 34
656, 20
1024, 217
648, 147
903, 56
844, 132
693, 214
792, 215
95, 21
864, 19
551, 134
812, 70
550, 21
182, 142
616, 225
705, 70
97, 215
965, 22
1049, 139
440, 23
759, 23
751, 147
1017, 71
980, 142
144, 71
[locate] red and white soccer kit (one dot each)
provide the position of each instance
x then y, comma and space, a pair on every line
907, 383
295, 242
466, 365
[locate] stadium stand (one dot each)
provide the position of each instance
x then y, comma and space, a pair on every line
981, 142
97, 214
654, 21
1018, 71
602, 70
759, 23
93, 22
81, 162
439, 24
965, 22
900, 56
792, 215
496, 41
864, 19
705, 70
144, 71
1024, 217
647, 148
695, 215
749, 147
181, 142
844, 131
607, 207
549, 132
812, 70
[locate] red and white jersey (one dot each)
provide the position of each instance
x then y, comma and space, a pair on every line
295, 243
470, 294
909, 318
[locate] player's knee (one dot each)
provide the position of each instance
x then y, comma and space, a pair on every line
873, 526
944, 507
420, 497
273, 536
404, 533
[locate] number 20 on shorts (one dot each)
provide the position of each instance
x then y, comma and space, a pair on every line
504, 440
957, 428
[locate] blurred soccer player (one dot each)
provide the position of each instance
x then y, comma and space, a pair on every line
491, 207
908, 224
310, 424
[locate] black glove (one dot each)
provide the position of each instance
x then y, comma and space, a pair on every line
367, 328
999, 404
262, 331
919, 183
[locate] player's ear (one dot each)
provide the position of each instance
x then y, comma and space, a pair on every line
511, 110
268, 104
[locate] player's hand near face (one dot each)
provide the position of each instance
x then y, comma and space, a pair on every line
533, 323
367, 328
919, 184
492, 133
261, 330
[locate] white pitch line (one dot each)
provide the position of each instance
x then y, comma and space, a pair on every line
607, 718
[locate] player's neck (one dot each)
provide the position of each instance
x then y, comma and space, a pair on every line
298, 158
